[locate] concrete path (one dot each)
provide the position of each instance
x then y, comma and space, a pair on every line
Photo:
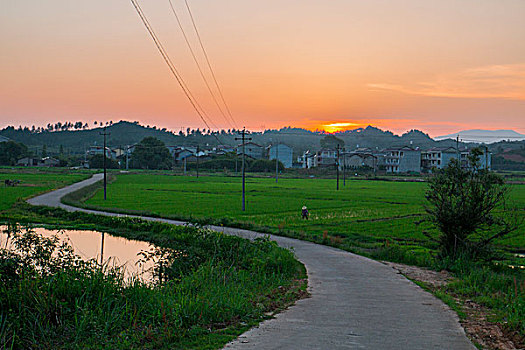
355, 303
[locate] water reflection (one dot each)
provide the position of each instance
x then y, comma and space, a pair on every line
106, 249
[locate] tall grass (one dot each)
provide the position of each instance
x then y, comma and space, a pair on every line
49, 298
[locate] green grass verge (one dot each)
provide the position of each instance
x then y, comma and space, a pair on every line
218, 288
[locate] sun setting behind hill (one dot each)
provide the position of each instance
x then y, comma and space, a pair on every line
336, 127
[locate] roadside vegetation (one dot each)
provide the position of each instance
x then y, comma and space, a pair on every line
384, 220
209, 287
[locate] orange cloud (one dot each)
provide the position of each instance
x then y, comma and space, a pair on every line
496, 81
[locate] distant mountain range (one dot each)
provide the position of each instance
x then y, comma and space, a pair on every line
484, 136
126, 133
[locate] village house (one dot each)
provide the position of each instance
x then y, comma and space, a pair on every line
485, 160
306, 160
173, 150
221, 150
28, 161
41, 162
403, 160
325, 157
282, 152
119, 152
437, 157
252, 150
180, 154
94, 150
361, 157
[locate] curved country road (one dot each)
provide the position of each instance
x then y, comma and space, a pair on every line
355, 303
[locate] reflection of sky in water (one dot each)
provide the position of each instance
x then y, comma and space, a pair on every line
118, 251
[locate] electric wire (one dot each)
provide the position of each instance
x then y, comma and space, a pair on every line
198, 65
209, 64
200, 112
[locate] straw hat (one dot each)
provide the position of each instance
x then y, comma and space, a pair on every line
304, 207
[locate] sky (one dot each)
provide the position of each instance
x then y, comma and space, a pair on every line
438, 66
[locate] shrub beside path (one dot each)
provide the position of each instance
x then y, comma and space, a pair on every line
355, 302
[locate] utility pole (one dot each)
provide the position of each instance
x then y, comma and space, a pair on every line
127, 157
337, 167
486, 157
344, 167
277, 163
457, 150
243, 140
104, 152
197, 161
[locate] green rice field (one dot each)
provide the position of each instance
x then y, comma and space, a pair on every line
364, 212
33, 182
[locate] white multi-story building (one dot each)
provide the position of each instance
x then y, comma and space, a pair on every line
438, 157
403, 160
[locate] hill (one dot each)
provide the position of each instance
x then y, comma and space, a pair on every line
77, 141
484, 136
126, 133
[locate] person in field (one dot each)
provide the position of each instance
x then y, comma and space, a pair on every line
304, 212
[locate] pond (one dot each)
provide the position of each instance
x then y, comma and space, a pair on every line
111, 250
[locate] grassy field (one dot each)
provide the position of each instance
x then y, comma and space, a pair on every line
374, 218
362, 213
34, 181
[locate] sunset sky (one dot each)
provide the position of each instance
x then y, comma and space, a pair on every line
438, 66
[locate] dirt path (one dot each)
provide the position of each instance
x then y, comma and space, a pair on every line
355, 303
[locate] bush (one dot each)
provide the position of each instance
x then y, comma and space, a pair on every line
263, 165
463, 205
97, 162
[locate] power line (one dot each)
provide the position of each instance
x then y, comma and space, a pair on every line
197, 63
209, 64
175, 73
